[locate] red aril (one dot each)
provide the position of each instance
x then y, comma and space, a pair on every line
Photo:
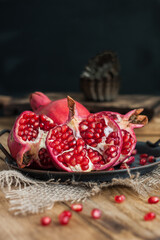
77, 207
153, 200
96, 213
45, 221
134, 152
143, 161
151, 159
84, 144
124, 166
119, 198
130, 160
26, 141
150, 216
56, 110
111, 169
144, 155
64, 217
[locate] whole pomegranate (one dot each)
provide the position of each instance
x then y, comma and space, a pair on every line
84, 144
26, 141
56, 110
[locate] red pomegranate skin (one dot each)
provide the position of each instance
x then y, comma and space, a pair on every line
57, 110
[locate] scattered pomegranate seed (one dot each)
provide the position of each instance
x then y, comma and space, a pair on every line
151, 159
111, 169
143, 161
144, 155
45, 221
134, 152
124, 166
77, 207
64, 217
149, 216
67, 213
153, 200
119, 198
96, 213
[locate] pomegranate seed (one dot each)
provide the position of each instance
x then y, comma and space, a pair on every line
134, 152
153, 200
144, 155
130, 160
111, 169
77, 207
45, 221
84, 167
150, 216
151, 159
124, 166
119, 198
96, 213
143, 161
64, 218
67, 213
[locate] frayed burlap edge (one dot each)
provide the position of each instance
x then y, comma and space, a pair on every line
28, 196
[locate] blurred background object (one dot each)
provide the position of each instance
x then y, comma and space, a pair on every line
100, 79
45, 45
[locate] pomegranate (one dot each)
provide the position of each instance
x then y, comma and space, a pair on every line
84, 144
56, 110
26, 141
127, 123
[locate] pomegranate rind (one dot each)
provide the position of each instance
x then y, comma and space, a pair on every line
128, 122
57, 110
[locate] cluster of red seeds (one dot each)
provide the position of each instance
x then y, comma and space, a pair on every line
128, 140
73, 151
96, 213
29, 124
145, 158
44, 157
65, 216
92, 130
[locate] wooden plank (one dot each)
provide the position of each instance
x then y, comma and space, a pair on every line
123, 103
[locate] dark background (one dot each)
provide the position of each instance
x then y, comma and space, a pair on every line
44, 45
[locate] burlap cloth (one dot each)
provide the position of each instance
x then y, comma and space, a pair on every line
28, 196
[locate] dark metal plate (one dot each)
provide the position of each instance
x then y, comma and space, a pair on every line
95, 176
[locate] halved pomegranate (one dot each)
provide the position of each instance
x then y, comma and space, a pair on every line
56, 110
26, 141
127, 123
84, 144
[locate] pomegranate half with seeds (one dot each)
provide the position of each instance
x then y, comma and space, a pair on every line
26, 141
127, 123
84, 144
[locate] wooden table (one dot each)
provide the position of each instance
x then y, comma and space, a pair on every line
119, 221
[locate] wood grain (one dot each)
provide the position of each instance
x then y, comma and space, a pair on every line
118, 222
